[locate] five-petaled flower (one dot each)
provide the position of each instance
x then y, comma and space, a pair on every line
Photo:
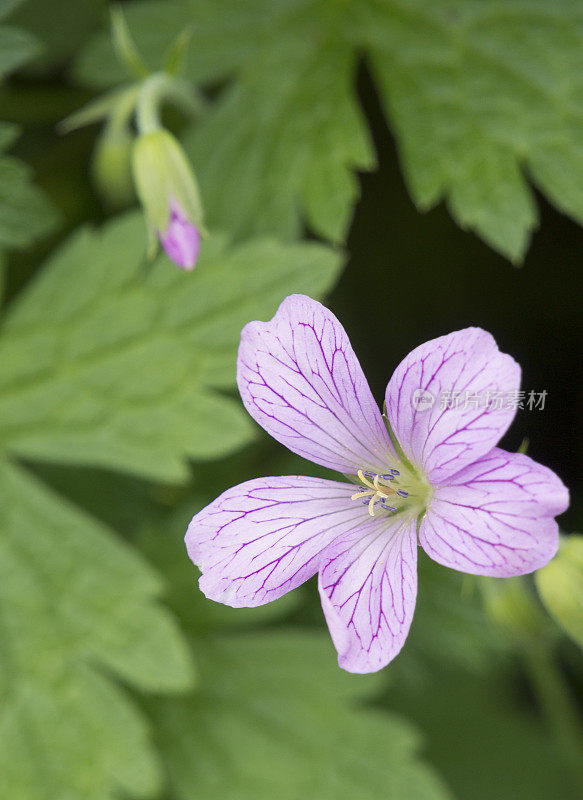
432, 476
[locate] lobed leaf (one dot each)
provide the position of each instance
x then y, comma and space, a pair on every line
59, 27
275, 717
127, 374
26, 214
483, 97
76, 606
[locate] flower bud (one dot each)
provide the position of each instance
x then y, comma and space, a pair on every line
560, 585
512, 606
169, 195
111, 167
181, 241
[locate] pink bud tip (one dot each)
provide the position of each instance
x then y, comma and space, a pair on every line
181, 239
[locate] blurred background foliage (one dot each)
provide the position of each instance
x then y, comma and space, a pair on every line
329, 127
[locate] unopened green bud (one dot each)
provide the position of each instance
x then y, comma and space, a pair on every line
560, 585
111, 168
169, 195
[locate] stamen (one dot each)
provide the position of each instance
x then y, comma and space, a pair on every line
387, 507
365, 480
376, 492
360, 494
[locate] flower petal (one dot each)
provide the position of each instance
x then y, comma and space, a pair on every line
181, 239
263, 538
368, 587
300, 379
495, 517
441, 441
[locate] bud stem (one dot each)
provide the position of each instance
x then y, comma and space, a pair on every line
120, 116
150, 98
557, 706
157, 89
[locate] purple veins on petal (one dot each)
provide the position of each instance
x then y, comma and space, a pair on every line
495, 517
300, 379
368, 586
481, 510
441, 441
264, 537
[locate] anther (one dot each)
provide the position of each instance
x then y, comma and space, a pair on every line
387, 507
375, 492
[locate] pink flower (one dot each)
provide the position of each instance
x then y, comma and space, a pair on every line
181, 239
426, 474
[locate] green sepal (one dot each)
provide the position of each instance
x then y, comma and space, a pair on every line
99, 109
125, 46
175, 59
162, 173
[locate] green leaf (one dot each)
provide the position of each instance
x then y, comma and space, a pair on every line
482, 735
76, 606
295, 137
26, 214
560, 585
470, 108
16, 48
275, 717
126, 375
61, 26
482, 96
450, 625
7, 6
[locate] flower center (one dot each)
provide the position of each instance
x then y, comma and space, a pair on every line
383, 489
388, 492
